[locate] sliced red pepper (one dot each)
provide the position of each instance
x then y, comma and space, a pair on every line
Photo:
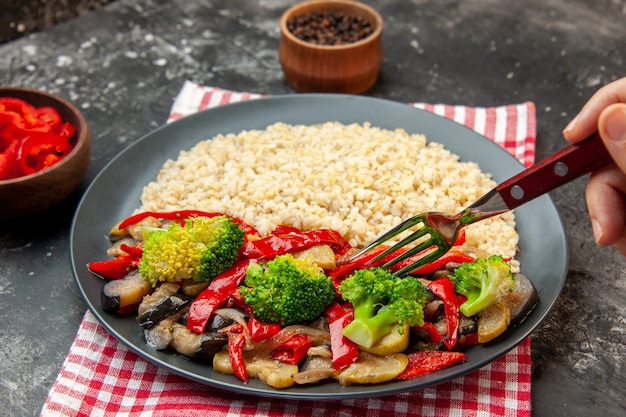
236, 344
271, 246
116, 268
363, 261
433, 333
444, 289
181, 215
41, 150
136, 251
429, 361
48, 116
452, 255
218, 291
260, 331
344, 350
8, 165
65, 130
293, 350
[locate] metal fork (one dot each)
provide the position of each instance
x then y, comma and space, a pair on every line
441, 230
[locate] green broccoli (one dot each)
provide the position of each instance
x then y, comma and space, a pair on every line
200, 249
287, 290
381, 301
483, 282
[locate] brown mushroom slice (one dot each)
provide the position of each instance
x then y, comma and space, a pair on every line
201, 347
314, 369
259, 365
373, 369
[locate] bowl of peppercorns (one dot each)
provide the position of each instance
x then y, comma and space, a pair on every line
331, 46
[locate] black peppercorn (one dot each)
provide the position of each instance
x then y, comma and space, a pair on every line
329, 28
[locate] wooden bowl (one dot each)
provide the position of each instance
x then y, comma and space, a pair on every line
41, 190
349, 68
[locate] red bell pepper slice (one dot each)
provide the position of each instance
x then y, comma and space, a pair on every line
218, 291
41, 150
48, 116
65, 130
260, 331
236, 344
181, 215
8, 168
273, 245
293, 350
452, 255
136, 251
344, 350
429, 361
116, 268
444, 289
363, 261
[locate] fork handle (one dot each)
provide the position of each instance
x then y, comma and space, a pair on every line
562, 167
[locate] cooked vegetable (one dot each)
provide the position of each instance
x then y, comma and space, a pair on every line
493, 321
200, 347
483, 282
522, 299
287, 290
200, 249
122, 296
215, 295
166, 307
429, 361
381, 301
373, 369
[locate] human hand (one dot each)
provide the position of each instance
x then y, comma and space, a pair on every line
606, 191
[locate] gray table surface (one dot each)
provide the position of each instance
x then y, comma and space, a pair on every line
123, 65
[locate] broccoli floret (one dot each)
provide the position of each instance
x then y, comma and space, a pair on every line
483, 282
381, 301
287, 290
200, 249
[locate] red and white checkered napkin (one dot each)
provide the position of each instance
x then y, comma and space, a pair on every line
102, 377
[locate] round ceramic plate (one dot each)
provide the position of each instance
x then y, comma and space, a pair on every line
115, 192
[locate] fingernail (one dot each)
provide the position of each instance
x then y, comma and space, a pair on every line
597, 230
571, 125
615, 124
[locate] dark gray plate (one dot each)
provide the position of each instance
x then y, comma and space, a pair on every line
115, 193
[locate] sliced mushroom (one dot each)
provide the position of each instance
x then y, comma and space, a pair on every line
200, 347
314, 369
259, 365
373, 369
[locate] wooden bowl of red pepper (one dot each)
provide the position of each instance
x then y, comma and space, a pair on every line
331, 46
45, 148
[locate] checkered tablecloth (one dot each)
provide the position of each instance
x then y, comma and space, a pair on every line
102, 377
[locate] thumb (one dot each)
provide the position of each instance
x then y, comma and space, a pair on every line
612, 129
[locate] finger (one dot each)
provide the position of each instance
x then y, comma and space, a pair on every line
586, 122
612, 129
606, 202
